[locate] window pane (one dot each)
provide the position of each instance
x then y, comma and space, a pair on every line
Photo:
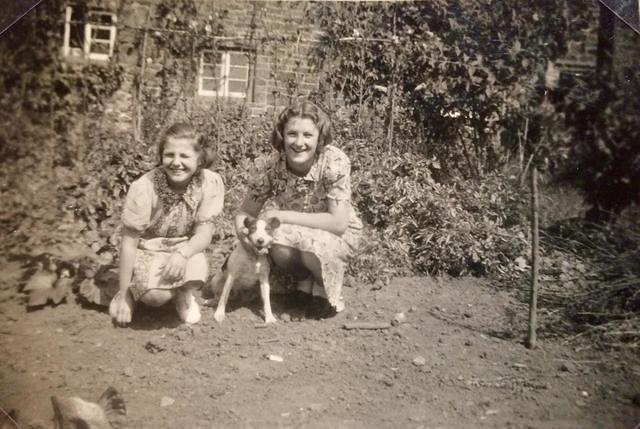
76, 35
239, 59
209, 84
77, 14
209, 70
237, 86
100, 34
100, 48
238, 72
100, 18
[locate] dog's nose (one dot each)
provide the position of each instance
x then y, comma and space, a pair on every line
260, 241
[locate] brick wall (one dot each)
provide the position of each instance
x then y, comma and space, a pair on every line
274, 34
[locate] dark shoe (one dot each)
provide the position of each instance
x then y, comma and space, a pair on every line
319, 309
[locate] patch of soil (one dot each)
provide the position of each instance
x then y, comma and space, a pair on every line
458, 361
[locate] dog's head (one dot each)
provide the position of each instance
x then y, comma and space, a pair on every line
260, 233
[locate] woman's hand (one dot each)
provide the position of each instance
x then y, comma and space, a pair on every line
175, 267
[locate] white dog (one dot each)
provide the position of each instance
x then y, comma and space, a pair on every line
247, 265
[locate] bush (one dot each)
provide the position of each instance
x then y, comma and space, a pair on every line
416, 219
458, 227
606, 132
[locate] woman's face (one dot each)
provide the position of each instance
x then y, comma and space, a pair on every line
180, 161
300, 144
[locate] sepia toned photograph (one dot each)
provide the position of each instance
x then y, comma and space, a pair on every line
320, 214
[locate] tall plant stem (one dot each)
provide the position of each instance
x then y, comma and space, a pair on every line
535, 262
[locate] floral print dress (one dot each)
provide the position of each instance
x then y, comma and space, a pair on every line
328, 179
164, 220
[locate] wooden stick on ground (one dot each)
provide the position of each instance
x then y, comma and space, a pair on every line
366, 325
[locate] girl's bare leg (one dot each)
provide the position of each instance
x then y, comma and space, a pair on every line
186, 304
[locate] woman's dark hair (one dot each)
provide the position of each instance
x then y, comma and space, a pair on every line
182, 130
304, 109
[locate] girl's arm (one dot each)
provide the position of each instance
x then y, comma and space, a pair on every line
210, 208
199, 241
175, 267
335, 220
128, 247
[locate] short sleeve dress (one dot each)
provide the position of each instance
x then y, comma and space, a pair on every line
164, 220
328, 179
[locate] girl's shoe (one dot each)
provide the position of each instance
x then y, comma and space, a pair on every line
187, 306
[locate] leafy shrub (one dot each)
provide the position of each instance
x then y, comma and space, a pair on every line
457, 227
606, 132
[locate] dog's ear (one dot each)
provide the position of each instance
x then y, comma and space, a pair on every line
247, 221
273, 222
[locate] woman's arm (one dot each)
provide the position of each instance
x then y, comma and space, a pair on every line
128, 248
335, 220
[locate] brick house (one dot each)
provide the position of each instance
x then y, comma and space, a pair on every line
254, 52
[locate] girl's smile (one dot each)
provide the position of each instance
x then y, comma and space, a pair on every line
300, 144
180, 161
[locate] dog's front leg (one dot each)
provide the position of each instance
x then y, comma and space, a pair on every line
219, 315
265, 291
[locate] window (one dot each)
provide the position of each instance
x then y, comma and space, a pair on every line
90, 34
223, 74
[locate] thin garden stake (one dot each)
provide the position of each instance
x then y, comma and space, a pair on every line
137, 122
533, 298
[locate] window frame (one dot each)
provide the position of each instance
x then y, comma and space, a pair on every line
223, 76
90, 25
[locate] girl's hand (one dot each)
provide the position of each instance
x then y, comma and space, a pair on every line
175, 267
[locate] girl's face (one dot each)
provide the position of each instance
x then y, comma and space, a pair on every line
180, 161
300, 143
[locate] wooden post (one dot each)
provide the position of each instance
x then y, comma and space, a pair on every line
533, 297
521, 145
137, 121
392, 108
392, 87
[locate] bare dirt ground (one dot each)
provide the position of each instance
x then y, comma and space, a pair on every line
457, 362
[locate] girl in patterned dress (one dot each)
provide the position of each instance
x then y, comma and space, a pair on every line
308, 182
167, 224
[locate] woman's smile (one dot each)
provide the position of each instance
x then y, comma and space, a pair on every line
300, 144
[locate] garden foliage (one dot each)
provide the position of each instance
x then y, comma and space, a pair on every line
431, 108
606, 155
458, 75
